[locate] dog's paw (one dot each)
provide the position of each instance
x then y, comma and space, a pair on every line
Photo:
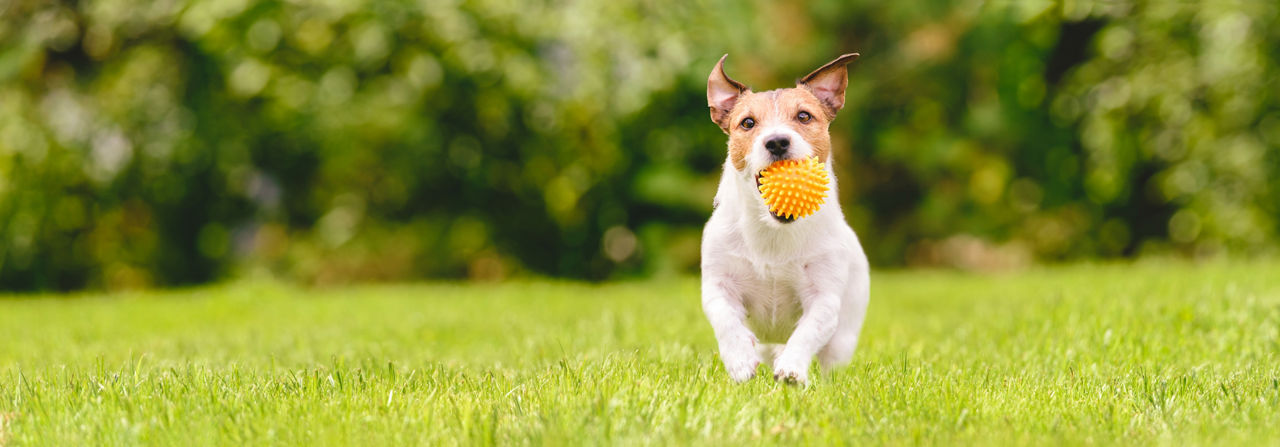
791, 376
740, 358
740, 362
743, 370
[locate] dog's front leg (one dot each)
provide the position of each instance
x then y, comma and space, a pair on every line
813, 331
724, 310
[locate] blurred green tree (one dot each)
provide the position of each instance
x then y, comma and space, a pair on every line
182, 142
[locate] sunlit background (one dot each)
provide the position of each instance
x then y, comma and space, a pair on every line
177, 142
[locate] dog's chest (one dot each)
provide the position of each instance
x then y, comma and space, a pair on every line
773, 301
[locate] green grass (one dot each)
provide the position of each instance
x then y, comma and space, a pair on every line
1146, 353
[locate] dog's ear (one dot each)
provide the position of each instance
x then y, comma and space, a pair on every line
829, 82
722, 93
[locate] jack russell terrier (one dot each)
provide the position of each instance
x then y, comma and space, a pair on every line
777, 288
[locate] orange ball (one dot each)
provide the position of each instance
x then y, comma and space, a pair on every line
794, 188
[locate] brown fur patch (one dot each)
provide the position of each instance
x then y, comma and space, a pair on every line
778, 107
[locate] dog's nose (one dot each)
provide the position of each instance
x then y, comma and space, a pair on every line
778, 145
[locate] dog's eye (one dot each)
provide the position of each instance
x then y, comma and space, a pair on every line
804, 116
748, 123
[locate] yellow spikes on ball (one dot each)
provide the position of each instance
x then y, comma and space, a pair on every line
794, 188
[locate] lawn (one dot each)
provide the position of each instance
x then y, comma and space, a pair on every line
1154, 352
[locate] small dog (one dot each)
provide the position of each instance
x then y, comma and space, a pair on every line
769, 279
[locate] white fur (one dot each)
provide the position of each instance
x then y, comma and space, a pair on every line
764, 282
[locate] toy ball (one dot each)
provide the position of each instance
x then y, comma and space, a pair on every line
794, 188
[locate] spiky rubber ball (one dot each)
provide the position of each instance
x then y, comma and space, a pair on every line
794, 188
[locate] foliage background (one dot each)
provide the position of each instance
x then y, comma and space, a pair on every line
175, 142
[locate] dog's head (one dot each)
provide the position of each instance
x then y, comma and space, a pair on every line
782, 124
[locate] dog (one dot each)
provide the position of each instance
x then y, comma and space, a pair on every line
777, 289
